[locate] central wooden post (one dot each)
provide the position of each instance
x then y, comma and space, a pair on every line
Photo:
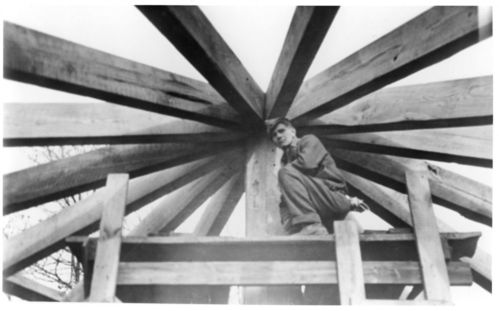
262, 213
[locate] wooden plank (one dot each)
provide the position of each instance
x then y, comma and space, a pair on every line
37, 58
274, 273
349, 263
467, 145
38, 124
453, 103
172, 210
194, 36
107, 257
77, 293
431, 257
396, 204
220, 208
405, 50
308, 28
375, 247
385, 302
57, 179
23, 287
465, 196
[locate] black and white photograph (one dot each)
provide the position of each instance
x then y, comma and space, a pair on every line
229, 154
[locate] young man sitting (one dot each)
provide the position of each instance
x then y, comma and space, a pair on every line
313, 190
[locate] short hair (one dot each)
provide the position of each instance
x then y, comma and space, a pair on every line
282, 120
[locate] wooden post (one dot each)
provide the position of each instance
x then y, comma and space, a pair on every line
262, 213
349, 261
431, 255
103, 287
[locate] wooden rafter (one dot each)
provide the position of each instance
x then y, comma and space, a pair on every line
40, 59
26, 288
405, 50
308, 28
57, 179
97, 123
468, 145
454, 103
394, 205
257, 273
172, 210
189, 30
453, 191
220, 208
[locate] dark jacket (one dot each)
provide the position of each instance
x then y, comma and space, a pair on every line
311, 157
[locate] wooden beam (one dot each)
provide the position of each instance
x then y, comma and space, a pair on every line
468, 145
77, 293
220, 208
194, 36
396, 204
405, 50
349, 263
431, 257
308, 28
275, 273
467, 197
453, 103
107, 257
374, 246
23, 287
37, 58
98, 123
57, 179
172, 210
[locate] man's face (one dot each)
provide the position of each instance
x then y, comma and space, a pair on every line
283, 135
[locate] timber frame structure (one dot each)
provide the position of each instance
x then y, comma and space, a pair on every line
218, 148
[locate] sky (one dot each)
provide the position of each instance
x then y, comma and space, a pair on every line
256, 35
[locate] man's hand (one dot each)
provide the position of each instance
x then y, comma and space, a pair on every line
357, 205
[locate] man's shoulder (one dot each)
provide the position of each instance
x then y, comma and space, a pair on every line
309, 138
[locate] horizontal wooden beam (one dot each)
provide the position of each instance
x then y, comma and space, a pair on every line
308, 28
468, 145
389, 204
23, 287
374, 246
37, 58
453, 103
221, 206
423, 41
275, 273
40, 124
57, 179
467, 197
190, 31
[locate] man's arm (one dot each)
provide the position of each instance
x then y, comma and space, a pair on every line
310, 153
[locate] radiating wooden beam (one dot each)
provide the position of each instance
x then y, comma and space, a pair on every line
376, 246
468, 145
349, 263
189, 30
308, 28
37, 58
436, 282
57, 179
107, 257
275, 273
220, 208
423, 41
396, 205
172, 210
97, 123
26, 288
467, 197
50, 233
453, 103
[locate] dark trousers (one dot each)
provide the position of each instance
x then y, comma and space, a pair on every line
306, 200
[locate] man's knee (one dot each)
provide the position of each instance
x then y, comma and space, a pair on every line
287, 173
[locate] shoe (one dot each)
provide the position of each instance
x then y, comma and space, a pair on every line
313, 229
358, 205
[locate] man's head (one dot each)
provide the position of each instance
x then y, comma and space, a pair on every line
283, 133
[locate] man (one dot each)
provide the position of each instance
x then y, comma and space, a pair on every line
313, 190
